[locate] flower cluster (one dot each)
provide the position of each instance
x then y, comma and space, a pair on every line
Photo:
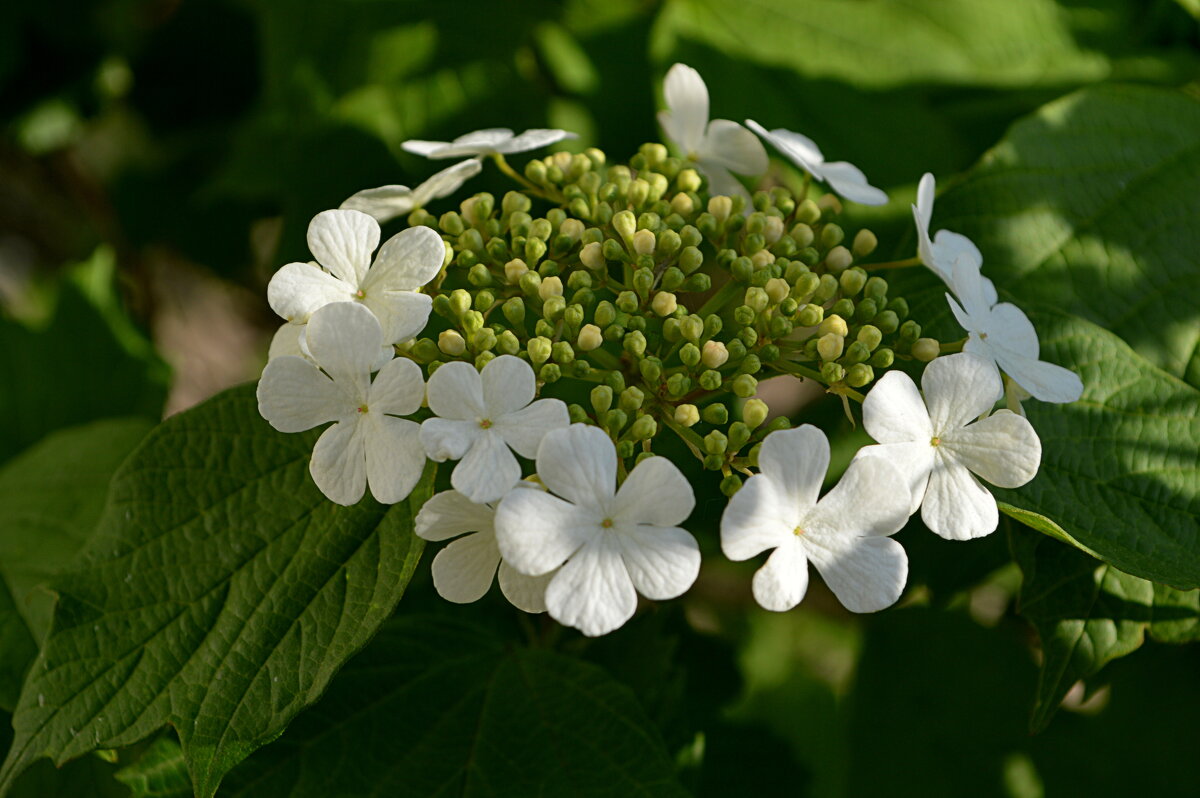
551, 357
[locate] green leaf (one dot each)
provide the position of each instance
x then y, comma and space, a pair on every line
220, 595
160, 772
1067, 218
438, 707
1088, 613
1120, 472
51, 497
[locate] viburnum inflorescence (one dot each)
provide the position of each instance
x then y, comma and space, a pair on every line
597, 310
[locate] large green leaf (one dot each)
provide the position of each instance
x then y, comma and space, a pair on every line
435, 707
220, 594
1090, 206
51, 497
1120, 472
1088, 613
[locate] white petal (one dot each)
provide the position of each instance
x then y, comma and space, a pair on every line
487, 471
293, 395
456, 391
655, 492
383, 203
339, 463
662, 561
406, 261
344, 338
526, 593
533, 139
297, 290
958, 389
402, 314
796, 460
1044, 381
537, 532
914, 461
687, 108
976, 292
923, 211
758, 517
593, 591
479, 142
524, 429
866, 574
799, 149
446, 182
398, 388
732, 146
579, 463
956, 506
508, 385
464, 570
782, 582
849, 181
395, 457
428, 149
342, 242
286, 341
449, 514
447, 438
1012, 341
722, 182
871, 499
1003, 449
894, 412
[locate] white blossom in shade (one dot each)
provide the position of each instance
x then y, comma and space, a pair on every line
719, 146
342, 242
610, 544
492, 141
483, 417
940, 446
367, 444
463, 571
940, 253
292, 339
844, 178
844, 534
1003, 335
387, 202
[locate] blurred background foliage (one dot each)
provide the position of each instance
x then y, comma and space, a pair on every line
159, 159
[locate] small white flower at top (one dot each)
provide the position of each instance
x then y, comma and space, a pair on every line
367, 444
482, 418
387, 202
463, 571
342, 242
492, 141
939, 444
844, 534
843, 177
615, 543
940, 253
719, 146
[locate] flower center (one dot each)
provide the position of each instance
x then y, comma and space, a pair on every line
607, 523
983, 336
362, 408
485, 423
935, 441
797, 531
360, 294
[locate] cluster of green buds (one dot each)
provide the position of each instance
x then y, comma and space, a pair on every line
648, 305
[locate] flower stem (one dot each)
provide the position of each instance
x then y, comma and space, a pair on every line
691, 439
951, 347
894, 264
553, 196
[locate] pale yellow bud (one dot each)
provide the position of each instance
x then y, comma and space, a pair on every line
833, 324
643, 242
925, 349
687, 415
451, 342
839, 259
572, 229
777, 290
550, 286
830, 346
720, 207
762, 258
829, 202
664, 303
772, 229
682, 204
590, 338
514, 270
688, 180
714, 354
592, 256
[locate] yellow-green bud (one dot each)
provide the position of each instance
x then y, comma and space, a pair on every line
576, 413
678, 384
625, 223
852, 281
808, 212
777, 289
671, 330
870, 336
772, 229
590, 337
672, 279
643, 281
425, 350
715, 413
690, 259
572, 229
550, 286
530, 282
692, 327
669, 242
562, 353
745, 386
883, 358
452, 343
644, 428
631, 399
551, 372
827, 287
507, 343
857, 352
832, 372
602, 398
829, 202
651, 369
592, 256
687, 415
715, 442
864, 243
460, 301
859, 375
839, 258
720, 207
682, 204
810, 316
664, 303
514, 310
833, 324
535, 248
689, 353
688, 180
714, 355
831, 235
540, 349
606, 313
552, 308
472, 320
739, 435
803, 235
925, 349
754, 412
730, 485
762, 259
483, 339
644, 242
635, 343
830, 346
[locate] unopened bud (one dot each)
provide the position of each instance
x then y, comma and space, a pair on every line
810, 316
631, 399
664, 303
869, 336
592, 256
883, 358
535, 248
925, 349
803, 235
530, 282
808, 212
507, 343
690, 259
682, 204
688, 180
635, 343
838, 259
687, 415
627, 302
715, 442
672, 279
745, 386
716, 414
856, 352
714, 355
550, 286
472, 320
553, 307
590, 337
859, 374
777, 290
651, 369
692, 327
720, 207
832, 372
625, 223
643, 281
864, 243
644, 428
539, 349
910, 331
550, 373
833, 324
739, 435
852, 281
830, 346
831, 235
644, 242
757, 299
754, 412
514, 310
460, 301
452, 343
678, 384
772, 229
827, 287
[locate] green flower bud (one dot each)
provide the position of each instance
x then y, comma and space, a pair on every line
605, 314
752, 457
810, 316
553, 308
769, 353
627, 301
460, 302
471, 240
852, 281
692, 328
664, 303
716, 414
744, 386
576, 413
750, 364
479, 276
635, 343
831, 236
720, 207
809, 256
514, 202
838, 260
671, 331
742, 269
451, 224
550, 373
678, 385
614, 332
779, 327
808, 212
425, 350
753, 243
651, 369
715, 442
744, 315
562, 353
615, 421
672, 279
866, 310
483, 358
754, 412
535, 248
625, 223
690, 355
910, 331
669, 243
832, 372
737, 349
887, 322
739, 435
530, 282
870, 336
794, 271
714, 355
592, 257
690, 259
472, 320
644, 428
507, 343
759, 277
698, 283
844, 307
690, 236
859, 374
452, 343
712, 325
925, 349
830, 346
802, 234
758, 300
882, 358
748, 336
441, 306
483, 340
857, 352
825, 290
710, 380
777, 290
864, 243
877, 289
602, 399
644, 242
514, 310
899, 306
777, 424
550, 286
519, 224
539, 349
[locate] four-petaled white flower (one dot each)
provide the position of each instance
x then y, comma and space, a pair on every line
843, 177
387, 202
367, 444
844, 534
940, 253
614, 543
719, 146
342, 242
463, 571
936, 445
492, 141
482, 415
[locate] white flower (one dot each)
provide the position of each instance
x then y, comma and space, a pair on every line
936, 445
947, 246
342, 242
368, 444
718, 147
1003, 335
387, 202
492, 141
463, 571
615, 544
482, 416
844, 178
844, 534
292, 339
